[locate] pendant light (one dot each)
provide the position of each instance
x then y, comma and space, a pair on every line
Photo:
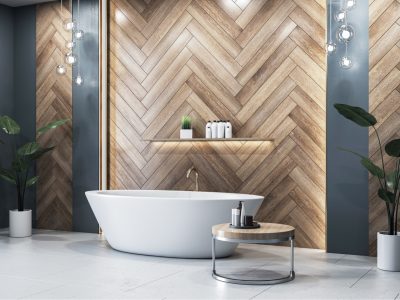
344, 33
61, 69
330, 45
78, 36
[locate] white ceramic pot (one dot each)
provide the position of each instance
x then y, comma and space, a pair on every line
389, 252
20, 223
186, 133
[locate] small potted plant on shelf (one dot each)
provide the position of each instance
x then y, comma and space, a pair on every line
389, 187
186, 128
23, 159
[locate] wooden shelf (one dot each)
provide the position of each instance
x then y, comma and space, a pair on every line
211, 140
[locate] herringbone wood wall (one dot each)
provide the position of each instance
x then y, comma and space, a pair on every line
260, 64
53, 101
384, 97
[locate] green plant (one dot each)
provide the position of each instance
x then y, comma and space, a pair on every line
23, 157
389, 182
186, 122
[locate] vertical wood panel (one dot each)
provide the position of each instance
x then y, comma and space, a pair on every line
258, 63
384, 98
53, 101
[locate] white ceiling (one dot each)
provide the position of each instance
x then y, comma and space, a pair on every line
16, 3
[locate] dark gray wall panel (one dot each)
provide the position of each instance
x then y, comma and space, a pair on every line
17, 89
347, 181
86, 119
7, 191
25, 81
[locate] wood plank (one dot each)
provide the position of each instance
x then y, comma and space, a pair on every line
214, 47
265, 32
221, 17
270, 46
213, 28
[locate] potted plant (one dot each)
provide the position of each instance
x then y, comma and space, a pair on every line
186, 128
389, 191
17, 173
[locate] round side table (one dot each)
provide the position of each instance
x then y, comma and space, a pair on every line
268, 233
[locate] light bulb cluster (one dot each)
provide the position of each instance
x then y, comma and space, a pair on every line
71, 46
344, 33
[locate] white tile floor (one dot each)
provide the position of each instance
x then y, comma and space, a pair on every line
54, 265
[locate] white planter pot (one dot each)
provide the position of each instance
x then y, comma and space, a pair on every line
186, 133
389, 252
20, 223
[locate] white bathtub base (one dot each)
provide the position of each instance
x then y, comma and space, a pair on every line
166, 223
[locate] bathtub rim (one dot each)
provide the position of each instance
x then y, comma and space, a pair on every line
237, 196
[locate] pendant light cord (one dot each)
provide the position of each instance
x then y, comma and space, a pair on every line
78, 42
330, 21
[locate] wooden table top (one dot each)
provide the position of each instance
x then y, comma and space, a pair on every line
267, 231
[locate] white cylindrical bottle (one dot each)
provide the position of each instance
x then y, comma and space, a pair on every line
236, 217
214, 126
228, 130
221, 130
208, 130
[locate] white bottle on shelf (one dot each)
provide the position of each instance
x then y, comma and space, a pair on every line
208, 130
228, 130
214, 126
221, 130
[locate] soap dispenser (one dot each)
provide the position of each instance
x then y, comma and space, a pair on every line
214, 126
228, 130
242, 214
208, 130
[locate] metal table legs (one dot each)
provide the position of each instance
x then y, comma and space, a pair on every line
219, 277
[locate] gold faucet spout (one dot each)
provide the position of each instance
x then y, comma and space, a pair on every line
193, 169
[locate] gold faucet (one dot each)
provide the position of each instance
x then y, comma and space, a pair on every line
197, 176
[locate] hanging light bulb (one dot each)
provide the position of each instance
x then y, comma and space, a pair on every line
350, 4
345, 33
340, 15
79, 80
70, 58
69, 45
61, 70
69, 24
346, 62
79, 34
330, 47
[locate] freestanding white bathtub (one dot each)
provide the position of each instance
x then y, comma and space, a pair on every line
166, 223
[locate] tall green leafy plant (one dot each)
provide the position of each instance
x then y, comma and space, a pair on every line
23, 156
389, 181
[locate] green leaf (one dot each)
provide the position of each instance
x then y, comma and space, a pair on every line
9, 126
391, 180
368, 164
28, 149
32, 181
372, 168
51, 125
386, 196
356, 114
393, 148
7, 176
20, 164
39, 153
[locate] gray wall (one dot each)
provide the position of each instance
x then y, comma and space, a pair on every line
17, 89
86, 119
347, 181
25, 82
6, 101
